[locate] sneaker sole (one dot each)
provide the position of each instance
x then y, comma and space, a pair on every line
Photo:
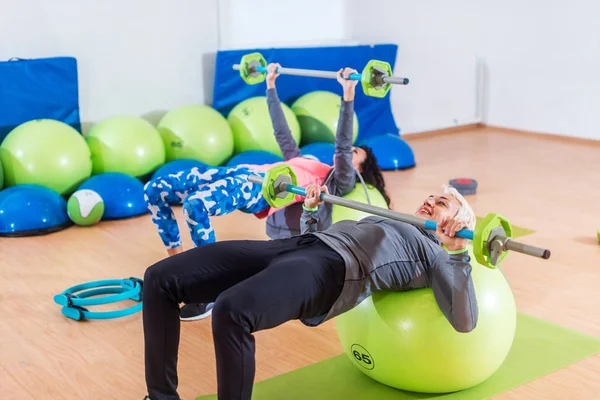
197, 317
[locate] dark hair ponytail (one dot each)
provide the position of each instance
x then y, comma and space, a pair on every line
371, 173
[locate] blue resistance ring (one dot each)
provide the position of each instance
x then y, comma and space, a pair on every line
119, 289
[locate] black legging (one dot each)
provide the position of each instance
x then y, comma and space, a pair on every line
255, 285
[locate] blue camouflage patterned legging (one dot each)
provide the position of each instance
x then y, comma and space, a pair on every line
203, 193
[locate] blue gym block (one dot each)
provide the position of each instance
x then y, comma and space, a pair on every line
254, 157
123, 195
322, 150
29, 210
392, 152
175, 166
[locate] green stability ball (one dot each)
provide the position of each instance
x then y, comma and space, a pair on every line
252, 127
196, 132
339, 213
126, 144
85, 207
48, 153
403, 340
318, 114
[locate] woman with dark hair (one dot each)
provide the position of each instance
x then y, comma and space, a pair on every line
214, 191
285, 223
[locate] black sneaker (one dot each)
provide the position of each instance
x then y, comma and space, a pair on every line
193, 312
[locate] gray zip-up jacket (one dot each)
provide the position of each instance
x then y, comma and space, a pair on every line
385, 254
340, 181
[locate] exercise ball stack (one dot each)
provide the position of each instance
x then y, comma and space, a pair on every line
391, 151
126, 144
252, 127
196, 132
1, 175
45, 152
318, 115
323, 151
122, 195
31, 210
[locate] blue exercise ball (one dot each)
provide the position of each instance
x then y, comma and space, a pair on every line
175, 166
392, 152
254, 157
323, 151
123, 195
31, 209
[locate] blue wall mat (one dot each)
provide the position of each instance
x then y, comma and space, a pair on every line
374, 114
36, 89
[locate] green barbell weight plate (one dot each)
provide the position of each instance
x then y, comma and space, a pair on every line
481, 236
247, 65
271, 182
372, 78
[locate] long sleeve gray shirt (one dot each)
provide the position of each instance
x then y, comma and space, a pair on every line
340, 180
384, 254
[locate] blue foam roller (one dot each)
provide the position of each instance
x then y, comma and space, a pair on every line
323, 151
254, 157
123, 195
392, 152
175, 166
29, 210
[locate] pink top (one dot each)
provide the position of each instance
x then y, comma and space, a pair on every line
308, 172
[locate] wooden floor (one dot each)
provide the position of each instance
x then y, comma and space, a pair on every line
547, 185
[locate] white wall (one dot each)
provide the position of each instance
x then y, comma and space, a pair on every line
145, 57
437, 50
268, 23
134, 57
541, 62
543, 58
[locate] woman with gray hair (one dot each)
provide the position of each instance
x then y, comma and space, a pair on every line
313, 277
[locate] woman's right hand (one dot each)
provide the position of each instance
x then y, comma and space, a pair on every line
348, 85
272, 74
313, 195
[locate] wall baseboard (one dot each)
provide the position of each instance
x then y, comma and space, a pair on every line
440, 132
546, 135
409, 137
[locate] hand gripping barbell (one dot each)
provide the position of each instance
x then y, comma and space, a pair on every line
492, 238
376, 78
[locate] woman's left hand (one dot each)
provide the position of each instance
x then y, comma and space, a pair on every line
446, 230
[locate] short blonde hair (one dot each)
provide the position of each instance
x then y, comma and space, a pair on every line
465, 212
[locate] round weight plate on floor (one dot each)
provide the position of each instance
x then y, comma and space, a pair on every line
465, 186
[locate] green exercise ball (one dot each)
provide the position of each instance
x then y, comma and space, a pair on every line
48, 153
252, 127
318, 114
196, 132
126, 144
339, 213
403, 340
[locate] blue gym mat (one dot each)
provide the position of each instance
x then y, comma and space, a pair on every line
36, 89
374, 114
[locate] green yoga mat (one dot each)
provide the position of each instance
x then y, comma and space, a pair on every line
517, 230
540, 347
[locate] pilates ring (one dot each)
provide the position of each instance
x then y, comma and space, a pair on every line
73, 305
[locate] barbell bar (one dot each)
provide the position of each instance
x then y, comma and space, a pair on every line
491, 240
315, 73
376, 77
